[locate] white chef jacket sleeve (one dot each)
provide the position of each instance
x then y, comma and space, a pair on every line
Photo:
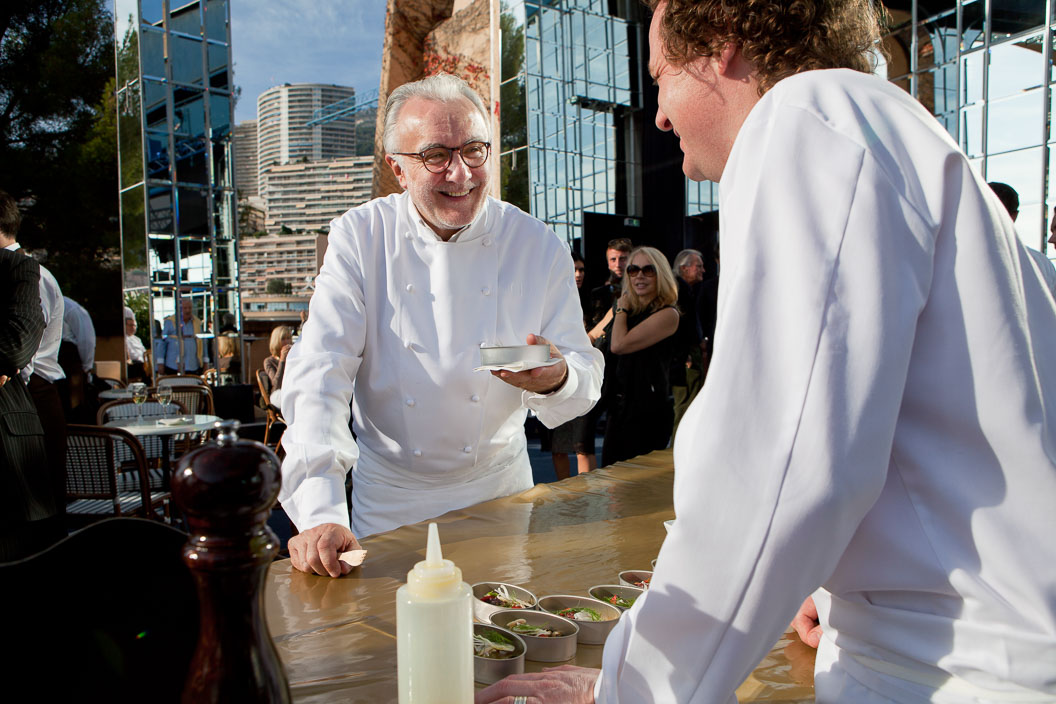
825, 272
563, 326
317, 390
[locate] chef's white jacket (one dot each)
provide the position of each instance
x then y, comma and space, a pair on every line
396, 322
879, 418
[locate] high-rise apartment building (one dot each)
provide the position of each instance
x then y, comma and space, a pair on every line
307, 196
291, 259
283, 135
244, 146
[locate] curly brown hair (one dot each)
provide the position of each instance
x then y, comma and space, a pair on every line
778, 37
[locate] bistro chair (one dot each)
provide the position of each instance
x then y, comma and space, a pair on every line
197, 399
107, 475
109, 614
111, 383
180, 380
125, 409
272, 414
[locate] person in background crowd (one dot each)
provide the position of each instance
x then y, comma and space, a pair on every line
78, 331
881, 403
687, 362
229, 362
602, 297
577, 435
412, 285
30, 515
1010, 199
43, 375
645, 318
135, 352
280, 344
168, 358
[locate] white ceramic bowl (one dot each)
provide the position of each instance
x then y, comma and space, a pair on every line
542, 649
631, 578
590, 632
490, 670
482, 610
497, 356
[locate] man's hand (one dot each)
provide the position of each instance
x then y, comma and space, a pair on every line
316, 549
3, 380
567, 684
806, 623
541, 380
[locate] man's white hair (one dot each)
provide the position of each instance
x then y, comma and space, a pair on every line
683, 257
443, 88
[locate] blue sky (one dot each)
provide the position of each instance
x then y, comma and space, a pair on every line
304, 41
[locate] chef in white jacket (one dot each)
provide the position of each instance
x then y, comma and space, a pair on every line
880, 413
411, 287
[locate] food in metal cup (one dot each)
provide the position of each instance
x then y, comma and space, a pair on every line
497, 653
548, 637
489, 597
594, 618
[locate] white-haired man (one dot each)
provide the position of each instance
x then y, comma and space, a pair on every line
411, 286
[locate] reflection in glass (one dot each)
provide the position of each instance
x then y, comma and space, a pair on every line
130, 136
186, 61
973, 22
1013, 123
133, 238
158, 156
152, 12
126, 35
1016, 67
217, 68
155, 106
220, 114
972, 82
162, 257
972, 131
186, 18
216, 19
153, 54
196, 261
1010, 17
193, 213
160, 218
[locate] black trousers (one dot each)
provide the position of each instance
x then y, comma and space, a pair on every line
45, 396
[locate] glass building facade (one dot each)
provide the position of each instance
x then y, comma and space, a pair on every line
984, 68
568, 93
175, 111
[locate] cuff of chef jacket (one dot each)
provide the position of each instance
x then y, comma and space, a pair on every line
597, 688
530, 399
316, 501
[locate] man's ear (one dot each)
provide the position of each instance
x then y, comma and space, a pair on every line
396, 169
727, 59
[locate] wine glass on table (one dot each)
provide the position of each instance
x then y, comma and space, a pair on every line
139, 396
165, 398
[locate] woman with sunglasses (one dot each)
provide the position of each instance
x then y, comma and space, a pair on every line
644, 320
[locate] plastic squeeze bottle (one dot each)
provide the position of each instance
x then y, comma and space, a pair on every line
434, 631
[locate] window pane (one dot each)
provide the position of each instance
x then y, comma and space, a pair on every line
1016, 67
1015, 123
133, 238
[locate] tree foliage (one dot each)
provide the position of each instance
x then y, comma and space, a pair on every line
58, 144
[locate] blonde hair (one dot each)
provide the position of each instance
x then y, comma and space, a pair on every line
227, 346
666, 288
277, 333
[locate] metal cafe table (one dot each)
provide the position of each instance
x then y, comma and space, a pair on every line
152, 426
337, 637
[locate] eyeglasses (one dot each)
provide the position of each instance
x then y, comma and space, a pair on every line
647, 270
437, 159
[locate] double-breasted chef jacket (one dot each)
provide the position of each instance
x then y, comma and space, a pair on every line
396, 323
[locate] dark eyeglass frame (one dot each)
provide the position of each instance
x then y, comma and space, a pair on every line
647, 270
438, 168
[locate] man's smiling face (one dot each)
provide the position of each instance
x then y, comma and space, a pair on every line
448, 201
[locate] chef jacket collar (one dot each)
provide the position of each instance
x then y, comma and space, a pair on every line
472, 231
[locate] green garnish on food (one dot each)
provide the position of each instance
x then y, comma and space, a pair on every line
580, 613
621, 602
493, 645
522, 627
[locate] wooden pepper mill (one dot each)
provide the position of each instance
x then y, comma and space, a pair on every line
226, 490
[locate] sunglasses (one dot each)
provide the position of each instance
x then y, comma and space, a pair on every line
647, 270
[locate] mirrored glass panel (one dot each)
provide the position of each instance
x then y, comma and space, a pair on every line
196, 261
158, 156
216, 19
217, 57
1014, 123
152, 56
185, 17
152, 11
160, 217
130, 136
193, 212
126, 36
224, 264
220, 115
155, 105
1016, 67
225, 215
973, 24
972, 131
162, 257
972, 78
186, 60
133, 238
1011, 17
